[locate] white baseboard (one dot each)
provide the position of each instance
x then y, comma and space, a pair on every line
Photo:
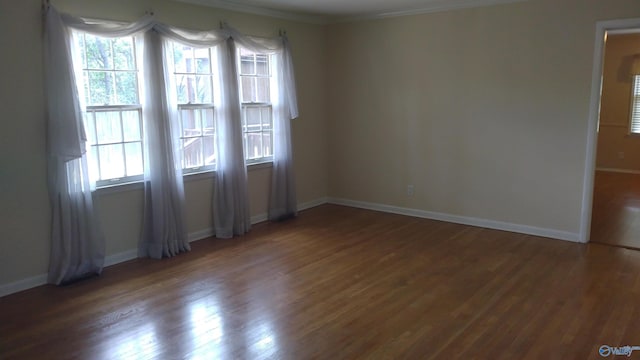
302, 206
623, 171
313, 203
256, 219
121, 257
118, 258
24, 284
202, 234
490, 224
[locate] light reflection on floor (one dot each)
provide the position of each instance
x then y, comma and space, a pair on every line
141, 343
263, 341
207, 332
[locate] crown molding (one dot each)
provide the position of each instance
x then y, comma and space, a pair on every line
255, 10
432, 7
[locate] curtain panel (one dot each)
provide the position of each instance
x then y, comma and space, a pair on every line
282, 199
77, 245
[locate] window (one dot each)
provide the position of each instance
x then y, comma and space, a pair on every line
257, 111
634, 127
194, 79
110, 83
113, 117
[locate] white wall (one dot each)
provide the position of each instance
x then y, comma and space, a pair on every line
484, 110
24, 205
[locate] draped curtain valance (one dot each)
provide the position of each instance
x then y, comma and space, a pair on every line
77, 245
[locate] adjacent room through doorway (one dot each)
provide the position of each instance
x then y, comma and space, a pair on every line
616, 196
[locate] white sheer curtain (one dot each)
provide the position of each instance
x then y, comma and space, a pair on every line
77, 246
231, 211
282, 200
230, 200
164, 232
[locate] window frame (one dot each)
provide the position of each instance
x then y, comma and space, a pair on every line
256, 104
212, 76
83, 69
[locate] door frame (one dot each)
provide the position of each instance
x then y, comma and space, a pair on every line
602, 27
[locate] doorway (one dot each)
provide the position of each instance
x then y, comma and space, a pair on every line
613, 171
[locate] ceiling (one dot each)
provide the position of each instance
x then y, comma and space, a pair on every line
341, 10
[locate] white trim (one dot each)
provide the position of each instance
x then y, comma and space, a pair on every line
610, 124
313, 203
430, 7
257, 219
118, 258
594, 112
118, 188
621, 171
624, 31
464, 220
256, 10
202, 234
22, 285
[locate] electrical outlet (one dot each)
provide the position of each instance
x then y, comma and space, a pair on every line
410, 190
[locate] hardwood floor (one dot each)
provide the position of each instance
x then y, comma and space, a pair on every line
342, 283
616, 210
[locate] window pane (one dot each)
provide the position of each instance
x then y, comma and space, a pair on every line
182, 88
247, 66
208, 125
85, 85
262, 62
111, 161
267, 143
123, 54
179, 53
79, 43
90, 127
245, 142
252, 120
108, 127
131, 125
254, 145
191, 125
127, 88
99, 54
202, 61
263, 94
266, 118
209, 150
195, 89
101, 88
94, 172
133, 153
248, 89
192, 150
203, 87
635, 105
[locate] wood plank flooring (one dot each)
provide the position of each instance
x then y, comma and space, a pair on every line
342, 283
616, 210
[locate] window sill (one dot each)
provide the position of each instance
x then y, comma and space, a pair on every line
118, 188
196, 176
